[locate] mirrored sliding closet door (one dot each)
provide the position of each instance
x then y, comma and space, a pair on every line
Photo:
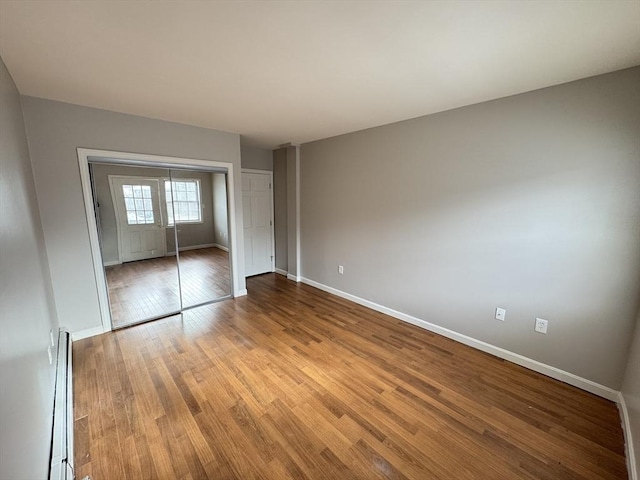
163, 238
199, 204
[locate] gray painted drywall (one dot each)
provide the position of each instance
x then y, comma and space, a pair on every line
529, 202
293, 209
189, 234
631, 393
221, 230
280, 207
54, 131
256, 158
27, 310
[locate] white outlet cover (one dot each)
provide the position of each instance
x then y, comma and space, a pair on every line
500, 314
541, 325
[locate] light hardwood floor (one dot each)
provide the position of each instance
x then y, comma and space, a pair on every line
149, 288
291, 382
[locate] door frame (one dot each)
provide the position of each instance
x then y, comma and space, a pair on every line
88, 155
116, 210
272, 219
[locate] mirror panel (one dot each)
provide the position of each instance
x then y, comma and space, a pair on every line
199, 205
138, 248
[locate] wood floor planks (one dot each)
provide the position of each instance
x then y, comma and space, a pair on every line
150, 288
291, 382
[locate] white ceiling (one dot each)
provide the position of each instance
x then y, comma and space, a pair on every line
296, 71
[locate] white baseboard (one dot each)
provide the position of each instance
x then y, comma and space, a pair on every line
295, 279
221, 247
632, 466
279, 271
240, 293
194, 247
89, 332
112, 263
548, 370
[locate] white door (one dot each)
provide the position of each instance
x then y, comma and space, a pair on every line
141, 232
258, 222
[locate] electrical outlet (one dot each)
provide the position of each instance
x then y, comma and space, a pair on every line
541, 325
340, 269
500, 314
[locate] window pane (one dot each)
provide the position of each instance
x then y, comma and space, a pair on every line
131, 218
148, 215
137, 191
193, 211
147, 204
184, 196
127, 190
139, 204
140, 217
184, 211
170, 213
146, 191
129, 204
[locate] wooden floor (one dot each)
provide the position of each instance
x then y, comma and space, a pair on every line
149, 288
291, 382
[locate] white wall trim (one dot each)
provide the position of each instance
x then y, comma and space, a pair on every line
107, 156
241, 293
297, 279
221, 247
255, 170
628, 438
279, 271
548, 370
89, 332
193, 247
112, 263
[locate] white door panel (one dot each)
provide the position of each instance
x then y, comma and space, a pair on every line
258, 222
141, 233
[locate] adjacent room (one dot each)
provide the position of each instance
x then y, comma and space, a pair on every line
315, 240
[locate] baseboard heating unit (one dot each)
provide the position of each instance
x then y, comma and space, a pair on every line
62, 437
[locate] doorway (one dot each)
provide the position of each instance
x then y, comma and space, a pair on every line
163, 234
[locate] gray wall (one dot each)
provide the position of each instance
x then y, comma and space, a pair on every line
27, 311
189, 234
221, 230
631, 392
256, 158
529, 202
280, 207
54, 131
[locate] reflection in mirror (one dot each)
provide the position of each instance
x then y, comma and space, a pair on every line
199, 204
138, 248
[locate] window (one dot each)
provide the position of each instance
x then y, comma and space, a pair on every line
185, 203
137, 200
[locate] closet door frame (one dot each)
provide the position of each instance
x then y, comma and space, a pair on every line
86, 156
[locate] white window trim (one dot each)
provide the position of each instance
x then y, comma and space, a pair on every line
165, 201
